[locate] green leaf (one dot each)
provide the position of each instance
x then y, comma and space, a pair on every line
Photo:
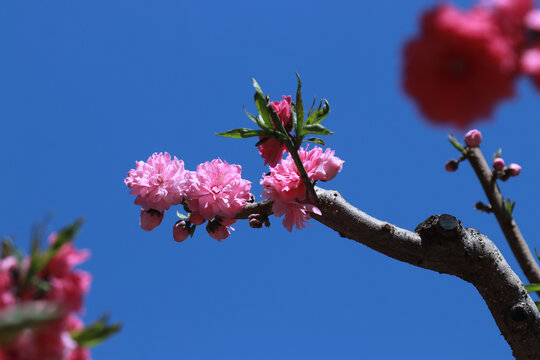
537, 254
181, 216
261, 103
242, 133
281, 132
532, 287
95, 333
8, 249
537, 304
316, 141
498, 154
319, 115
311, 107
456, 143
316, 129
299, 107
18, 317
509, 206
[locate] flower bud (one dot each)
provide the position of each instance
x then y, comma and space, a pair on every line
451, 165
150, 219
514, 169
498, 164
181, 230
473, 138
219, 229
196, 218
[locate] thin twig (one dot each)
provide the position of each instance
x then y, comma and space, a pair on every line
507, 223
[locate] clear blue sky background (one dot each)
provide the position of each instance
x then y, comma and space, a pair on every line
88, 87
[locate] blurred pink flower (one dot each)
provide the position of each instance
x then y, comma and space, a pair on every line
158, 183
460, 66
217, 189
7, 296
272, 149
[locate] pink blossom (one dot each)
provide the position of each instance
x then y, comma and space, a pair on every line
180, 231
532, 20
285, 187
150, 219
217, 189
530, 61
473, 138
272, 149
158, 183
498, 164
460, 66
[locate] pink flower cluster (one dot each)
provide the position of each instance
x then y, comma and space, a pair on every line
66, 287
285, 187
465, 61
272, 149
215, 192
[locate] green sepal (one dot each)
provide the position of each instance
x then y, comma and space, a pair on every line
532, 288
261, 102
16, 318
299, 108
242, 133
316, 141
316, 129
95, 333
318, 115
456, 143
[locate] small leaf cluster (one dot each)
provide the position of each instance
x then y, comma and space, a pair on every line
270, 126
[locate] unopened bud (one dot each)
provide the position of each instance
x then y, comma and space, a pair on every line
255, 221
451, 165
181, 230
150, 219
473, 138
498, 164
514, 169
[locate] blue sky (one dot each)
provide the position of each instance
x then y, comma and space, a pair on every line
87, 88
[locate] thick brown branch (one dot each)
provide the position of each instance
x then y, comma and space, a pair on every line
443, 245
508, 225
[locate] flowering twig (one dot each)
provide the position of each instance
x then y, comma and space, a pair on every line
507, 223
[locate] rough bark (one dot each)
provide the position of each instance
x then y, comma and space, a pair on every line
440, 244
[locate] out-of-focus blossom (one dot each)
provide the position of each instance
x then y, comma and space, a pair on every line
473, 138
196, 218
460, 66
272, 149
158, 183
217, 189
514, 169
451, 165
498, 164
7, 296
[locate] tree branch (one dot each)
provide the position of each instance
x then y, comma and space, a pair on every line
508, 225
440, 244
